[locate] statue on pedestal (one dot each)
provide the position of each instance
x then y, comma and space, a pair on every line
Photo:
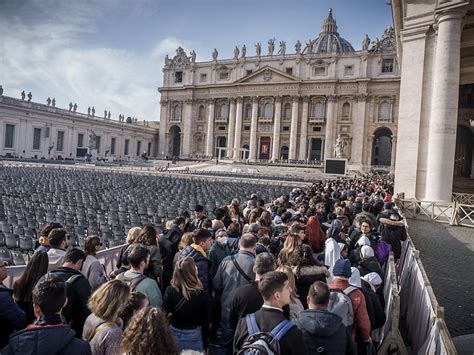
271, 46
29, 96
340, 145
258, 49
298, 47
1, 90
193, 56
23, 95
53, 102
48, 101
93, 111
74, 108
365, 43
244, 51
215, 53
70, 106
108, 115
236, 52
89, 110
282, 50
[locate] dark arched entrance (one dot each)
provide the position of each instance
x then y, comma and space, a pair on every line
284, 152
175, 141
463, 155
221, 143
245, 154
382, 147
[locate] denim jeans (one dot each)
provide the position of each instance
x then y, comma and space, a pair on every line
188, 339
225, 334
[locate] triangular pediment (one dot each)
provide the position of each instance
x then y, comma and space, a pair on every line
267, 74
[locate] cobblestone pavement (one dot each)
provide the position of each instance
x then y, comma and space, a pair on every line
447, 254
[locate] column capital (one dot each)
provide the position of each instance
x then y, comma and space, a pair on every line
278, 98
362, 97
189, 101
232, 100
331, 98
211, 101
453, 13
255, 99
295, 98
240, 99
164, 102
305, 98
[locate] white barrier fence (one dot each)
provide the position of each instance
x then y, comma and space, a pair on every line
107, 257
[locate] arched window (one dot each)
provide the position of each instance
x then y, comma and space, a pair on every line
384, 111
202, 112
248, 112
224, 111
318, 110
177, 113
268, 110
346, 111
287, 111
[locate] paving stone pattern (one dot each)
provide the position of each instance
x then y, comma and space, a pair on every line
447, 254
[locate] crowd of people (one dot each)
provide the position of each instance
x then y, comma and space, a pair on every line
300, 274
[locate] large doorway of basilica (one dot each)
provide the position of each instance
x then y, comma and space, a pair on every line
221, 143
382, 147
175, 141
245, 154
264, 148
316, 146
284, 153
463, 155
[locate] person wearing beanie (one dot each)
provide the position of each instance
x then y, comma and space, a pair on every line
361, 326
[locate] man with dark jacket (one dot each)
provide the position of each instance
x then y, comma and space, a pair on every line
49, 334
11, 316
393, 232
275, 289
323, 331
199, 216
197, 251
246, 298
78, 289
169, 247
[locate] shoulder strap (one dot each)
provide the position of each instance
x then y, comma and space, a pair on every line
72, 279
252, 325
99, 328
242, 272
180, 304
280, 330
136, 280
349, 289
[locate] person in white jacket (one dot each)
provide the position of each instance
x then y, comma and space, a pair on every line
92, 269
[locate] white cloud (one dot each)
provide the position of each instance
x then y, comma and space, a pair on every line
52, 60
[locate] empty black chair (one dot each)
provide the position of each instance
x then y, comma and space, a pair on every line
26, 244
6, 256
10, 241
17, 258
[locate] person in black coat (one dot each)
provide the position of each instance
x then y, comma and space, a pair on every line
11, 316
169, 247
276, 293
78, 289
393, 232
321, 328
247, 299
49, 334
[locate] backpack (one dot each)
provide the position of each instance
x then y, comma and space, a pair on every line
341, 304
132, 282
382, 251
263, 343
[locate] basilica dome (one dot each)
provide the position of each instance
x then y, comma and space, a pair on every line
329, 40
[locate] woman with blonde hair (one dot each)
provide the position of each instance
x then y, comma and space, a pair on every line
292, 242
103, 328
296, 307
186, 240
189, 306
122, 264
148, 333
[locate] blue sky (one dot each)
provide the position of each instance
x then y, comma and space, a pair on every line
109, 53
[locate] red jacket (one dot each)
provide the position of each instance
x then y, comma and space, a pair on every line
361, 326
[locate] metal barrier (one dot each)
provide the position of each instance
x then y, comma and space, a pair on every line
463, 198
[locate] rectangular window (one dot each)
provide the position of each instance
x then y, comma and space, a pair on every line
223, 75
80, 140
36, 138
60, 141
316, 129
125, 151
203, 78
178, 77
319, 70
387, 65
286, 128
221, 128
139, 147
289, 71
112, 145
9, 134
348, 70
97, 143
246, 128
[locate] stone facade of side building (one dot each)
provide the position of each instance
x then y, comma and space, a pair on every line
285, 106
33, 130
435, 46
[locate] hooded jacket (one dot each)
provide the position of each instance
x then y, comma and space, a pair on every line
11, 316
324, 329
222, 247
51, 339
202, 264
168, 248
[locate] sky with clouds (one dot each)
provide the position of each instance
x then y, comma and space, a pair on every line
109, 53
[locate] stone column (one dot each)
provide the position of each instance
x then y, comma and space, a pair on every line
294, 128
303, 154
330, 129
238, 128
358, 132
444, 108
231, 128
162, 147
276, 130
210, 130
394, 153
187, 128
253, 130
